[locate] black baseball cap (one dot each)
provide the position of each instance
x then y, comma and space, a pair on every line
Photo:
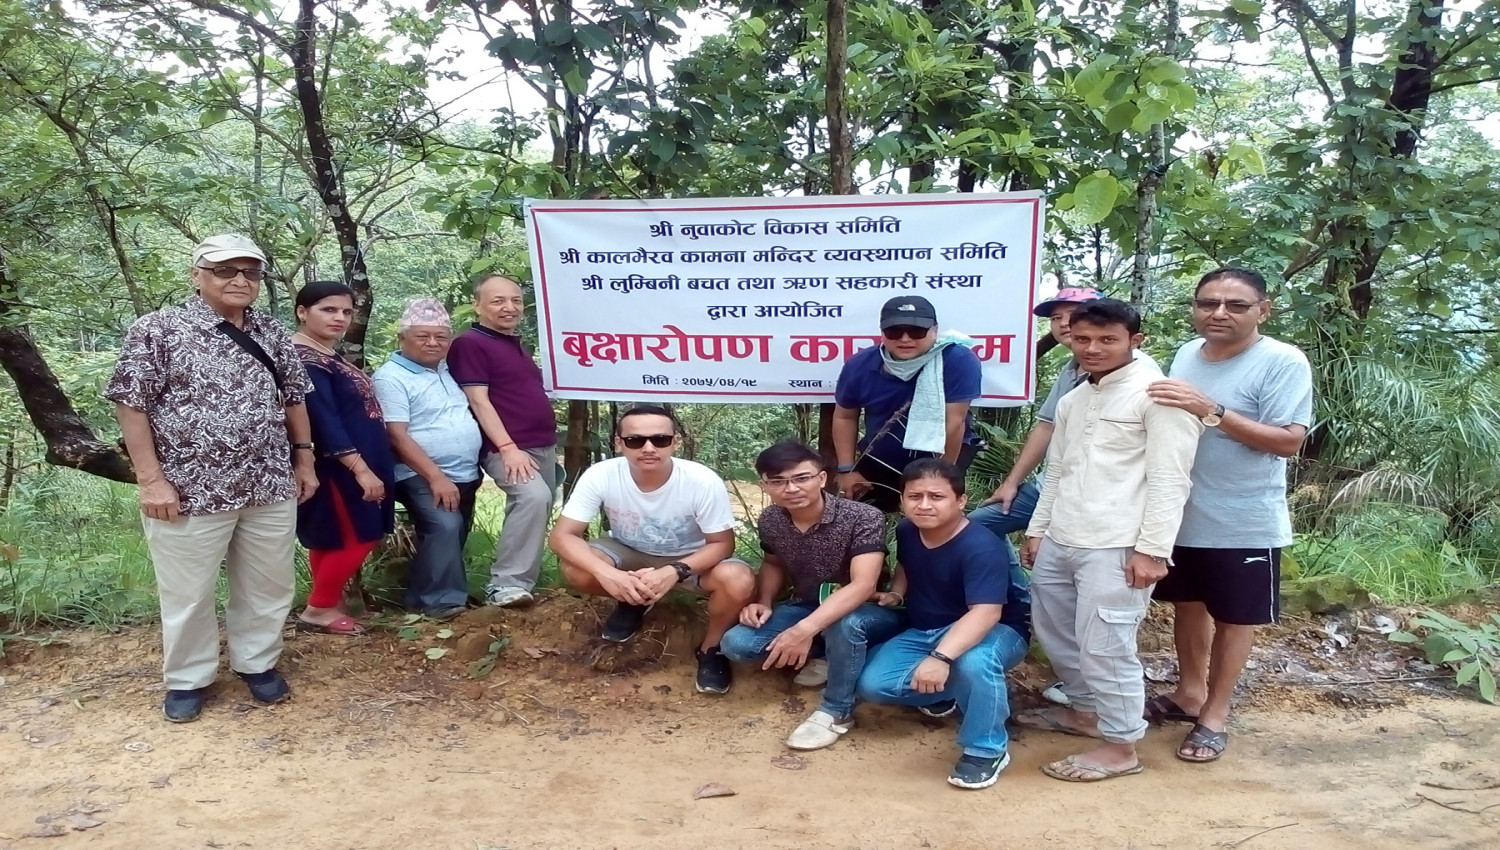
911, 310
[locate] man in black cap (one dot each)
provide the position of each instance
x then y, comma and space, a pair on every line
914, 389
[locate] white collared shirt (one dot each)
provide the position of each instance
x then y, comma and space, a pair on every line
1118, 466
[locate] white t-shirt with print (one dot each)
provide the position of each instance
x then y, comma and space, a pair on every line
669, 521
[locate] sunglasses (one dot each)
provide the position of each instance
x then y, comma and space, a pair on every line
229, 272
1211, 305
636, 441
895, 332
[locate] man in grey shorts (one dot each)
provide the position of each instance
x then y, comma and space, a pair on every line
669, 522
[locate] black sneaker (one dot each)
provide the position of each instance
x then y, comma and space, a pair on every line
714, 675
939, 709
625, 622
184, 706
977, 772
268, 687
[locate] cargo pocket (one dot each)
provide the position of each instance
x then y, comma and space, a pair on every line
1115, 631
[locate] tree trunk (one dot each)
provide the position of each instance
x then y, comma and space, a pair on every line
70, 441
840, 153
330, 183
840, 162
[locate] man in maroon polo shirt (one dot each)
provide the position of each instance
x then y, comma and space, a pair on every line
504, 386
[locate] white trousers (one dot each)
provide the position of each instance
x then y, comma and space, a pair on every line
256, 545
1086, 616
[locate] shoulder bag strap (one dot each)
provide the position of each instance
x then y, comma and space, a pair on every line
245, 341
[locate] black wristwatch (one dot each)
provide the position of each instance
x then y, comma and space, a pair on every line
308, 446
684, 572
941, 657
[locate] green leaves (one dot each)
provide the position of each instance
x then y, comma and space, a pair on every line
1473, 651
1094, 197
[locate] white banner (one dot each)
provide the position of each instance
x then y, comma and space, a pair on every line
763, 299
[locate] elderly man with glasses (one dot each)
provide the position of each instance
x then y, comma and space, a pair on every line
209, 395
831, 551
669, 522
1254, 394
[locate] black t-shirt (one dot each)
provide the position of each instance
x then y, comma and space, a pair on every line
974, 568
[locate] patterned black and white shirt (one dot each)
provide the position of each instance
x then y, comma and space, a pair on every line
218, 422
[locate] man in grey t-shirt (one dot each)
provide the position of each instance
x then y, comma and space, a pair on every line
1255, 395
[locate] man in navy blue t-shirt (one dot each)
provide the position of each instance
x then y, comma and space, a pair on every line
914, 390
967, 615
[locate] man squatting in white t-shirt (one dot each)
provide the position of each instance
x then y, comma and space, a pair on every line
669, 522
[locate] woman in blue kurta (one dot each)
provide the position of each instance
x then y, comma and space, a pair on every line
352, 509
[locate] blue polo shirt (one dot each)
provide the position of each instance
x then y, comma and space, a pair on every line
436, 413
864, 384
974, 568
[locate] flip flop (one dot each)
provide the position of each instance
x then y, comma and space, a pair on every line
1046, 722
1100, 774
341, 626
1160, 709
1208, 739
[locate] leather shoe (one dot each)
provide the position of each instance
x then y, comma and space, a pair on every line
184, 706
268, 687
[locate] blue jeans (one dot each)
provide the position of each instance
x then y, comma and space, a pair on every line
435, 578
1002, 525
976, 681
845, 643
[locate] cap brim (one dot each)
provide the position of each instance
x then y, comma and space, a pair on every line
221, 256
912, 321
1044, 309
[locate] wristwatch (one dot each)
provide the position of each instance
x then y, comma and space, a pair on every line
1212, 420
308, 446
684, 572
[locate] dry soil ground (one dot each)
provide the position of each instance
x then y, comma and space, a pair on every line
566, 744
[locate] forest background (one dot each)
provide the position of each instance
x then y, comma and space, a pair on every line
1346, 149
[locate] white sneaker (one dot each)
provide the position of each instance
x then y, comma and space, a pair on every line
818, 731
508, 597
814, 674
1054, 693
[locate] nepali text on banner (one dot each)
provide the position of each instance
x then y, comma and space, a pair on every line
763, 299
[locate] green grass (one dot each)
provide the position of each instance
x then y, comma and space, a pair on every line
1399, 554
80, 558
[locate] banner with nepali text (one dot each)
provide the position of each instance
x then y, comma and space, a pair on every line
763, 299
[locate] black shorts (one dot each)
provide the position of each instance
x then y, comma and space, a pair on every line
1241, 587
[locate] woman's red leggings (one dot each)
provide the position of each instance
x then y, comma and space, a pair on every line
332, 568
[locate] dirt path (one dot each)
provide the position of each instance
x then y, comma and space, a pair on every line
383, 748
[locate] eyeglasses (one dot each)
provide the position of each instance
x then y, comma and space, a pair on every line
1211, 305
795, 481
636, 441
895, 332
229, 272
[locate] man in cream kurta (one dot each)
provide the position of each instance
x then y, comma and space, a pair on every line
1117, 478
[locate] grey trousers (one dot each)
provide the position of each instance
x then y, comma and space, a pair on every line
528, 506
1085, 617
255, 545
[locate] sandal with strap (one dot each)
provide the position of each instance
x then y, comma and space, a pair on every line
1162, 709
342, 626
1204, 738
